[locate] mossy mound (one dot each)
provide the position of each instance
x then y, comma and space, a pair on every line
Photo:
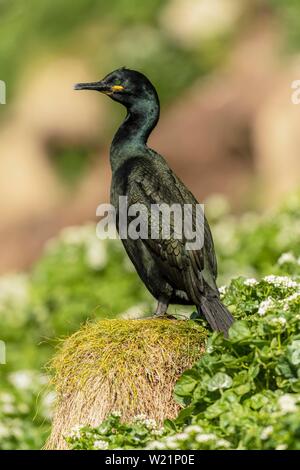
126, 365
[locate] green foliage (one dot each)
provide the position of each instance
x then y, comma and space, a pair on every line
244, 393
114, 434
69, 163
80, 277
252, 244
289, 13
24, 413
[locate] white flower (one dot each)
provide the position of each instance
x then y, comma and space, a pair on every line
266, 305
21, 379
48, 401
223, 290
116, 413
293, 297
222, 443
158, 432
193, 428
100, 445
75, 432
171, 442
266, 432
170, 439
278, 321
85, 236
8, 408
140, 417
183, 436
250, 281
226, 236
17, 432
148, 422
281, 281
281, 447
287, 403
4, 432
96, 254
156, 445
286, 258
6, 398
205, 437
77, 235
14, 290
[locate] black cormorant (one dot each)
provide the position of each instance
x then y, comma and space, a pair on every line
170, 271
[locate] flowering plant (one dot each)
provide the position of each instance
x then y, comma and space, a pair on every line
244, 393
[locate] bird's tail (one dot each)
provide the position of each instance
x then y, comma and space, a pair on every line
217, 315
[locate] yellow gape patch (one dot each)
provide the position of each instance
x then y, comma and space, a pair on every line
117, 88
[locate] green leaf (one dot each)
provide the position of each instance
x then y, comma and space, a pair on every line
170, 425
253, 371
239, 331
243, 389
185, 414
219, 381
294, 352
283, 368
186, 384
257, 401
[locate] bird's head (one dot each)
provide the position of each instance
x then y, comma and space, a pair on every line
126, 86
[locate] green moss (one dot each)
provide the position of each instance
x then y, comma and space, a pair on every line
124, 351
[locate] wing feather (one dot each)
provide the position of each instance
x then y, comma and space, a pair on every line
150, 184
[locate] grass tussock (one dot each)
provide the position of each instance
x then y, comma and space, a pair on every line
129, 366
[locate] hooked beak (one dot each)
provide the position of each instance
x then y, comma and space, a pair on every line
98, 86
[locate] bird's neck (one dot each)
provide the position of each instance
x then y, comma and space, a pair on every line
133, 133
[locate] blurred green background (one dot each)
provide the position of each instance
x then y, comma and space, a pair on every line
223, 70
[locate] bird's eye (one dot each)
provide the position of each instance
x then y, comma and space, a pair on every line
117, 87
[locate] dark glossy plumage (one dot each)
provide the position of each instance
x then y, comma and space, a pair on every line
171, 273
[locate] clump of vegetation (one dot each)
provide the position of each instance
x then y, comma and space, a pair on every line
244, 392
127, 365
81, 278
113, 432
78, 277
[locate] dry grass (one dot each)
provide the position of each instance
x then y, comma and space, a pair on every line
125, 365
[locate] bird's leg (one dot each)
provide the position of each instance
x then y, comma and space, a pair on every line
162, 306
